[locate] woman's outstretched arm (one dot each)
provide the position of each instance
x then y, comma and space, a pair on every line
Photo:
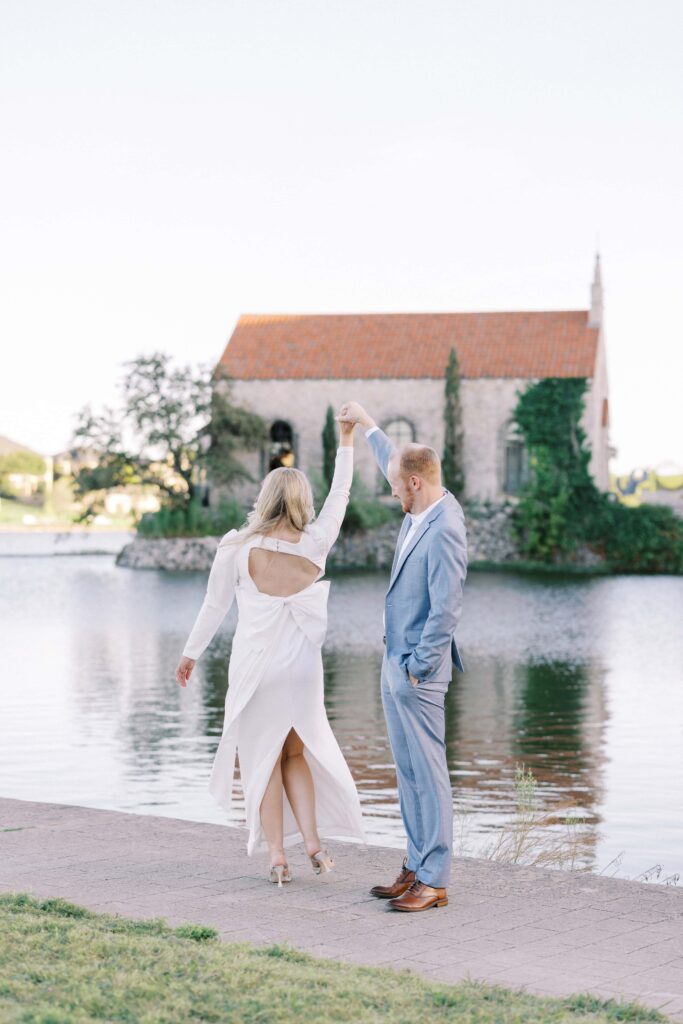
220, 593
328, 523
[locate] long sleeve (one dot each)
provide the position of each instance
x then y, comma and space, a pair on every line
381, 447
220, 593
328, 523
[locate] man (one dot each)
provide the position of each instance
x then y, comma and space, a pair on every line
421, 611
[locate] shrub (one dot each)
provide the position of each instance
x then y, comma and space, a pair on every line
364, 511
192, 520
644, 539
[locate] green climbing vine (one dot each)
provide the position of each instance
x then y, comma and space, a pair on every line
561, 507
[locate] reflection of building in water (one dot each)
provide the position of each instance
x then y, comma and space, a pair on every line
548, 716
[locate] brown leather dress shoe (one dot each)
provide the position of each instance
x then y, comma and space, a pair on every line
397, 888
419, 897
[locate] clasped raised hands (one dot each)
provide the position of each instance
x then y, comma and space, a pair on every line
352, 413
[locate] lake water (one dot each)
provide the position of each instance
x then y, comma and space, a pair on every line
74, 541
579, 679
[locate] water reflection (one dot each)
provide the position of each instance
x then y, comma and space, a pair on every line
546, 716
577, 679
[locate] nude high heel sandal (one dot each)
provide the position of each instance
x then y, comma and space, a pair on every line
279, 873
322, 861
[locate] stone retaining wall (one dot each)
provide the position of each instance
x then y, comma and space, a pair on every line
489, 534
172, 553
489, 538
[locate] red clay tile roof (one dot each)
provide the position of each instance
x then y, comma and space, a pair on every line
390, 345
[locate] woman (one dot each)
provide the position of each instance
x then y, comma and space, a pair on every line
296, 782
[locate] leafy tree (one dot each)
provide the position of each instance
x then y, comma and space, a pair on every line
452, 464
230, 429
170, 421
329, 437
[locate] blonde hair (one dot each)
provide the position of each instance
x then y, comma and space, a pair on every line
285, 497
420, 460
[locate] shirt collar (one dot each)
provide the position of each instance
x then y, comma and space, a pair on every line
416, 520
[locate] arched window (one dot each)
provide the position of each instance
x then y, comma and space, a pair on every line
400, 431
281, 451
516, 468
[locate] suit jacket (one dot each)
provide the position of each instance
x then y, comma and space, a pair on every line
424, 599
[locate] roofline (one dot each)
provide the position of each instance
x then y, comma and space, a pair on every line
261, 317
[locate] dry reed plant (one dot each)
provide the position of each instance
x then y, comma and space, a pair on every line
550, 839
534, 838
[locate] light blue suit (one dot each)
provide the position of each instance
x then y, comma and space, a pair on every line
422, 609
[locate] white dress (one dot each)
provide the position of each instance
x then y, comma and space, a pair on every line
275, 676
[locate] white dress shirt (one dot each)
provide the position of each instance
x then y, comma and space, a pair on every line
415, 521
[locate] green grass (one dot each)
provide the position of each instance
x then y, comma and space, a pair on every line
62, 964
12, 512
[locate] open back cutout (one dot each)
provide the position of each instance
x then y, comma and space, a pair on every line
279, 574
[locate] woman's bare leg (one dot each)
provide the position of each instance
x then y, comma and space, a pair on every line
271, 815
298, 783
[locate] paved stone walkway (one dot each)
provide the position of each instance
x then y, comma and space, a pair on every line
550, 932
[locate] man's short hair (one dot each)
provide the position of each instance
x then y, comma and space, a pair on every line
420, 460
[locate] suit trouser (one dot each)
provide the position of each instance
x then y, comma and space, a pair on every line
416, 724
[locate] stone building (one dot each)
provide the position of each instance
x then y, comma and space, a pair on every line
290, 368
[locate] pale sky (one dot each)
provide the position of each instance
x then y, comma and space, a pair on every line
169, 165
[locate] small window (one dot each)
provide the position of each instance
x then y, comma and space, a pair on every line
516, 463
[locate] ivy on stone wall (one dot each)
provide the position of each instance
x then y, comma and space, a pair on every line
560, 497
561, 507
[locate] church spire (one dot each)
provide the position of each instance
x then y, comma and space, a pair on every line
595, 314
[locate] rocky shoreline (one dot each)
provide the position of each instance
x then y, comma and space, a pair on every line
489, 536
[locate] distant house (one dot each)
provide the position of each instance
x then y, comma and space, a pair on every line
290, 368
24, 472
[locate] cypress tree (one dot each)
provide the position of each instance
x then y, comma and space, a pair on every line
452, 462
329, 445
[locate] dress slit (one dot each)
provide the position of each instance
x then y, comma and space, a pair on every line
334, 809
